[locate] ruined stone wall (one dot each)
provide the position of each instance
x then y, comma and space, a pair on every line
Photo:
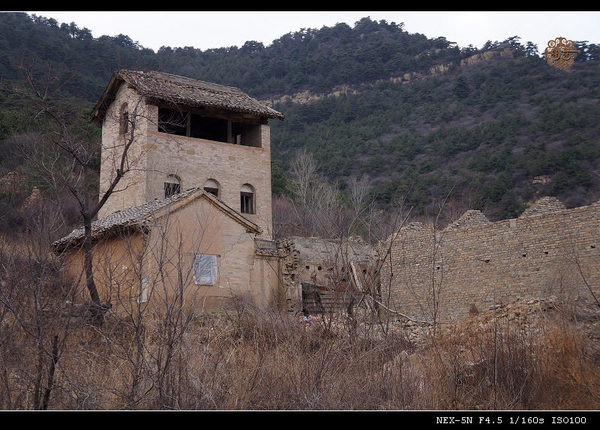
322, 263
474, 264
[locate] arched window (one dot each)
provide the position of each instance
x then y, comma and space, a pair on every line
172, 185
213, 187
123, 119
247, 197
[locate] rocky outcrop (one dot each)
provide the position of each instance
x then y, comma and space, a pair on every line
486, 56
305, 97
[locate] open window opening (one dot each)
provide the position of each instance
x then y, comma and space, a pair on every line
245, 134
247, 205
208, 128
172, 185
212, 186
172, 121
123, 119
192, 124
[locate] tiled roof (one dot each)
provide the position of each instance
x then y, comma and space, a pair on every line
135, 215
185, 91
138, 216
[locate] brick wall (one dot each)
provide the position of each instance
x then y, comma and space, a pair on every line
474, 264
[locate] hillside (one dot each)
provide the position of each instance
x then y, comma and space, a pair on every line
420, 117
499, 132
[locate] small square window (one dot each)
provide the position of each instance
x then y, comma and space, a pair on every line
205, 269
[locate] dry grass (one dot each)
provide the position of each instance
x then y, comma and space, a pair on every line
251, 359
270, 360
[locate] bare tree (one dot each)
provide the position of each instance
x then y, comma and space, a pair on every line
317, 203
359, 192
304, 174
34, 324
156, 301
80, 153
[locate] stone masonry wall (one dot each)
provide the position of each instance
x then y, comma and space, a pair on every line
320, 262
474, 264
130, 190
197, 160
156, 155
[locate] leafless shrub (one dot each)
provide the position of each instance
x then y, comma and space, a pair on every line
506, 366
35, 317
252, 358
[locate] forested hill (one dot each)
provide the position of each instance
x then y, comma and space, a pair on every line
419, 117
311, 59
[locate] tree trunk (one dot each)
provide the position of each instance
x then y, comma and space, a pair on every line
50, 383
96, 308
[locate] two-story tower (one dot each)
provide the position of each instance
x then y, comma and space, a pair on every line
185, 133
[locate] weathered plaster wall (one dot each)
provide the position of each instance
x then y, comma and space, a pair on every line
117, 266
163, 258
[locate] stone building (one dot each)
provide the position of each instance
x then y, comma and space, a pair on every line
193, 214
188, 133
191, 243
193, 210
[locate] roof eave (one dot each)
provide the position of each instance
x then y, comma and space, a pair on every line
270, 114
106, 98
118, 78
61, 246
142, 224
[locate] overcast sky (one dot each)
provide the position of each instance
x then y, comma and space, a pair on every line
215, 29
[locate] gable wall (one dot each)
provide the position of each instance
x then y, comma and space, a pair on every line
201, 228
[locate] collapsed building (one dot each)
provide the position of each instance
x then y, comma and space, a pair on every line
326, 275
